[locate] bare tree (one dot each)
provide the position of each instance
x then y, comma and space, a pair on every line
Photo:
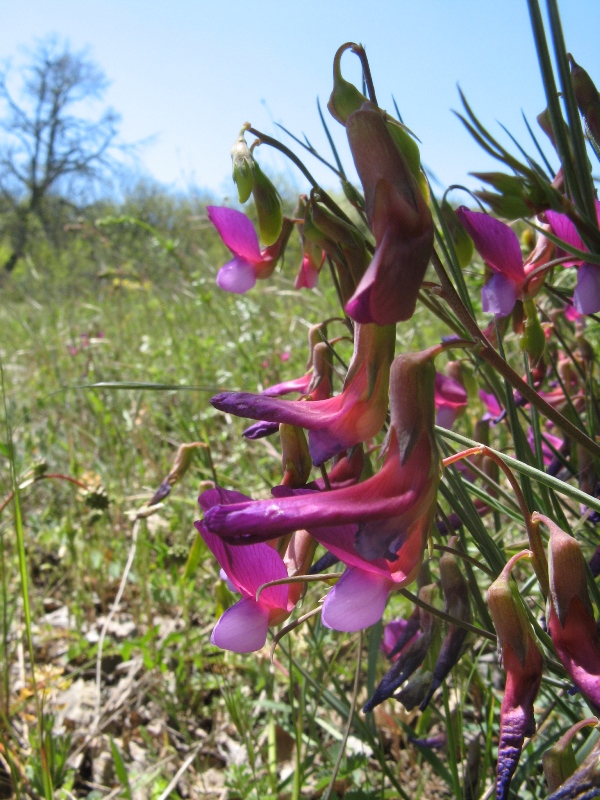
49, 142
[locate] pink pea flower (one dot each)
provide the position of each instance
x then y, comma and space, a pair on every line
523, 664
243, 627
499, 247
494, 409
547, 440
249, 263
450, 400
315, 384
377, 528
586, 297
337, 423
571, 620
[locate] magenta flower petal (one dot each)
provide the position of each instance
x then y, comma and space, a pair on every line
356, 601
308, 275
499, 295
355, 415
495, 242
494, 409
242, 628
249, 567
246, 567
450, 399
286, 387
237, 276
313, 416
563, 228
237, 232
586, 297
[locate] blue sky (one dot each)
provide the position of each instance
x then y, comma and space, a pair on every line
188, 72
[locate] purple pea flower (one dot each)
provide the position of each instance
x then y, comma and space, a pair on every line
586, 297
249, 263
243, 627
450, 400
499, 247
336, 423
377, 528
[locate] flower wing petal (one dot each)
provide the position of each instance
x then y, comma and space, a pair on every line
586, 297
356, 601
499, 295
242, 628
237, 276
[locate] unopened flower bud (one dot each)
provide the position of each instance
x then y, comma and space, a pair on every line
243, 168
345, 97
559, 761
545, 124
570, 615
523, 664
268, 207
181, 464
533, 338
460, 239
295, 460
588, 100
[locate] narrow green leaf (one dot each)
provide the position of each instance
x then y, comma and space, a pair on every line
120, 768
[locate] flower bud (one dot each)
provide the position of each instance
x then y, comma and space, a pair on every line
533, 338
461, 241
183, 460
510, 201
243, 168
523, 664
456, 603
588, 100
268, 207
545, 124
570, 615
345, 97
559, 761
398, 217
295, 460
